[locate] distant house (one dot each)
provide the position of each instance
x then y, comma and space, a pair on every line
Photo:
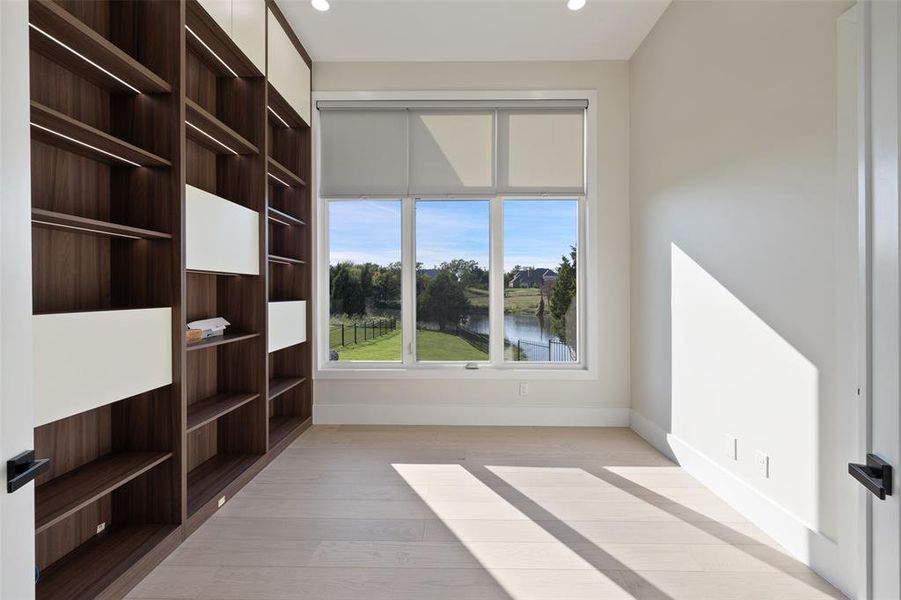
532, 278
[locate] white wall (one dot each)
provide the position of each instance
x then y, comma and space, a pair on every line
601, 400
739, 300
17, 509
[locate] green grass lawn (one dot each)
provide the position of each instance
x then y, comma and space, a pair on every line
430, 345
517, 301
434, 345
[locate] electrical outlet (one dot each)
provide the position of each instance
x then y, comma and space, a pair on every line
763, 464
523, 389
731, 447
101, 527
221, 501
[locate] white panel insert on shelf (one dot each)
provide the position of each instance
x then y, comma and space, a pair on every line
289, 73
220, 236
287, 324
89, 359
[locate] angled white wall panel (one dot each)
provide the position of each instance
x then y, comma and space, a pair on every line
90, 359
287, 324
220, 236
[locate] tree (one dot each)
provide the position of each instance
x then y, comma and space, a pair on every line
386, 286
561, 299
467, 272
366, 274
346, 292
443, 301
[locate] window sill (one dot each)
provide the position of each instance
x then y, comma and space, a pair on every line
454, 372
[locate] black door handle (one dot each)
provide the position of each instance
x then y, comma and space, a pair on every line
876, 475
22, 468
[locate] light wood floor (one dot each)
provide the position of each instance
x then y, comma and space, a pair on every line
470, 513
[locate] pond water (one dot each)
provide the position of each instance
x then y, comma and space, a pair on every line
525, 328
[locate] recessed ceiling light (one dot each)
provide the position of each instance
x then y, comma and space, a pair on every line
323, 5
570, 4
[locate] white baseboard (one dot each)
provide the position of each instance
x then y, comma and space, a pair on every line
424, 414
813, 549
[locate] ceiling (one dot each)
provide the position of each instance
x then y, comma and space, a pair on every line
472, 30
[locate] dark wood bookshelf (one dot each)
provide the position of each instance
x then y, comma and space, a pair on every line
280, 385
286, 176
114, 86
209, 409
66, 222
54, 128
219, 340
280, 427
61, 36
283, 218
286, 260
96, 565
209, 131
208, 479
63, 496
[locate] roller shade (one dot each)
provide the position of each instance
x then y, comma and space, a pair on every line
364, 152
451, 152
541, 151
386, 148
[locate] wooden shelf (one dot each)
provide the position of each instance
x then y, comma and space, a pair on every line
95, 565
284, 175
49, 219
281, 427
59, 35
280, 385
55, 128
207, 40
218, 340
207, 130
285, 260
209, 409
283, 218
212, 476
60, 497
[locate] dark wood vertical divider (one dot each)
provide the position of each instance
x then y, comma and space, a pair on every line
136, 105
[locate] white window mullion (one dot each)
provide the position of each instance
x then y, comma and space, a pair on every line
496, 283
408, 280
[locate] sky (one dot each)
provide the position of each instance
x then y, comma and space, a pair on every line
536, 232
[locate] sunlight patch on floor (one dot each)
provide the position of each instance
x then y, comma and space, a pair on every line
542, 567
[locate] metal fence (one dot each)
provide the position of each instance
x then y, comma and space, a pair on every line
551, 351
477, 340
348, 334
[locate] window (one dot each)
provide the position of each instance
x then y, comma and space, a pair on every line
454, 234
540, 281
364, 280
452, 267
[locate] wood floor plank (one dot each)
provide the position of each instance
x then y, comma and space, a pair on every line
439, 513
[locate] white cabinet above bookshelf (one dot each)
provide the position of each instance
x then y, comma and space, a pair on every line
289, 73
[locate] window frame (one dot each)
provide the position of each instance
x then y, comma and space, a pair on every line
496, 367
